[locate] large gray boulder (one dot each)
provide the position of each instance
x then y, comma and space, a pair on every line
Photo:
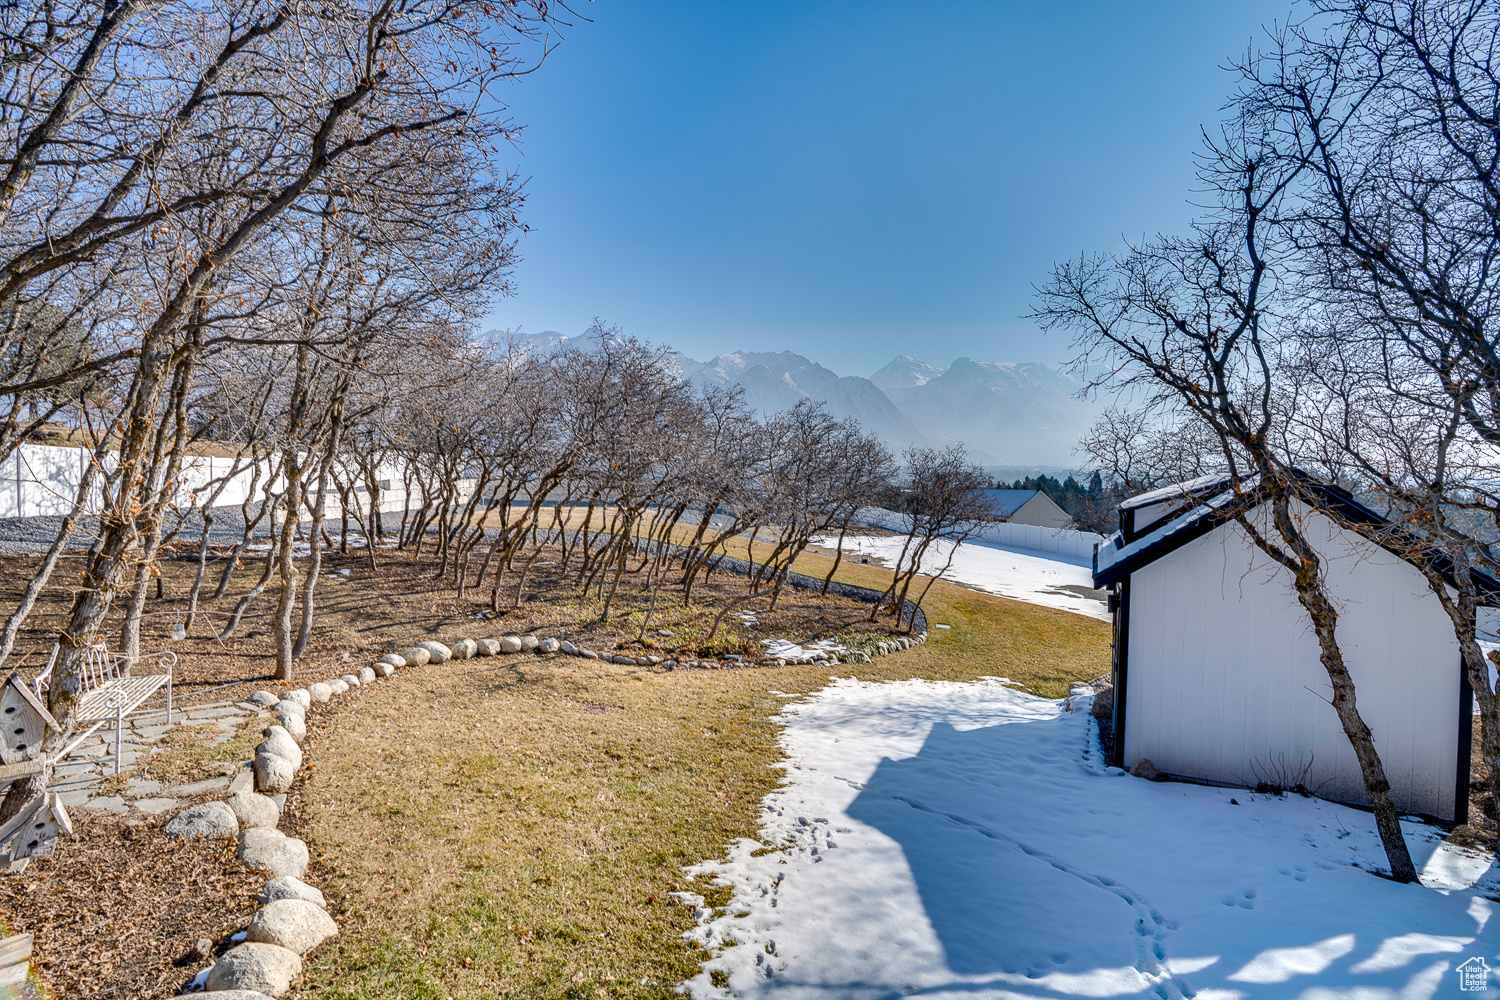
273, 852
394, 659
416, 656
510, 644
294, 724
288, 707
263, 968
529, 643
437, 651
287, 887
385, 669
486, 647
465, 649
262, 698
299, 695
207, 819
547, 645
254, 811
366, 675
295, 924
274, 774
568, 648
337, 686
319, 692
350, 680
279, 742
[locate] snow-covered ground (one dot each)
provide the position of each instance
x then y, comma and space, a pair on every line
965, 841
1034, 577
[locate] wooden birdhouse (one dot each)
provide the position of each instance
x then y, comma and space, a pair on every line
37, 837
24, 721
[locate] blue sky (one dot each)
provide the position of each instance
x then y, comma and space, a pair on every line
853, 181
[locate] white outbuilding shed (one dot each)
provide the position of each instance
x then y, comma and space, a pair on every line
1217, 675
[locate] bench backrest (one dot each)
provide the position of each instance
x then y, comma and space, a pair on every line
100, 667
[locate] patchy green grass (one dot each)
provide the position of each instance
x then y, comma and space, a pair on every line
188, 753
511, 827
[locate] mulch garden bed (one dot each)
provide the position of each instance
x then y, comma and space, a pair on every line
121, 902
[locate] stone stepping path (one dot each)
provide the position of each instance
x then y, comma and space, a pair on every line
80, 780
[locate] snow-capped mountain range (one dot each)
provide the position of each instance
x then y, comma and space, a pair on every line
1005, 413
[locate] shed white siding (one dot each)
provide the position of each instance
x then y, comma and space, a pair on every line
1224, 680
1149, 516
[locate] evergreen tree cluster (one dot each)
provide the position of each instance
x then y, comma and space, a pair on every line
1091, 506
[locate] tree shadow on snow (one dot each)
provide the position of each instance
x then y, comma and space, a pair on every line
1049, 878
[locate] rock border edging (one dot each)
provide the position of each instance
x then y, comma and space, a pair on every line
292, 917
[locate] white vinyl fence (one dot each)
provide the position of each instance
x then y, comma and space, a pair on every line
40, 480
1076, 544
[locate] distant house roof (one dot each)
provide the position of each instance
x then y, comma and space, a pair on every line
1007, 502
1115, 559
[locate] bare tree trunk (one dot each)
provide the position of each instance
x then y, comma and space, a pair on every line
1306, 568
244, 602
288, 574
315, 557
838, 557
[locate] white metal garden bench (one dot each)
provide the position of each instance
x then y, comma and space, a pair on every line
110, 691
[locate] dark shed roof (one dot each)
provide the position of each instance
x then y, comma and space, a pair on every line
1114, 559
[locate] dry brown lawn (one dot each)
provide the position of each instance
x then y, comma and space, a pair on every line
512, 827
501, 827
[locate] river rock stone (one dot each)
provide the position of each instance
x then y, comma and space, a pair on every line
235, 995
287, 887
350, 679
278, 741
207, 819
288, 707
384, 669
394, 659
254, 811
295, 725
567, 647
273, 773
416, 656
319, 692
510, 644
261, 968
299, 695
273, 851
337, 686
548, 645
464, 649
486, 647
262, 698
366, 675
295, 924
529, 643
437, 651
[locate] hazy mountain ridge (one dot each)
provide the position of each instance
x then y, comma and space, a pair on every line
778, 381
905, 372
1028, 411
1007, 414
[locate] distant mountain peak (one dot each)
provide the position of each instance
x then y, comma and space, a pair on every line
906, 372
